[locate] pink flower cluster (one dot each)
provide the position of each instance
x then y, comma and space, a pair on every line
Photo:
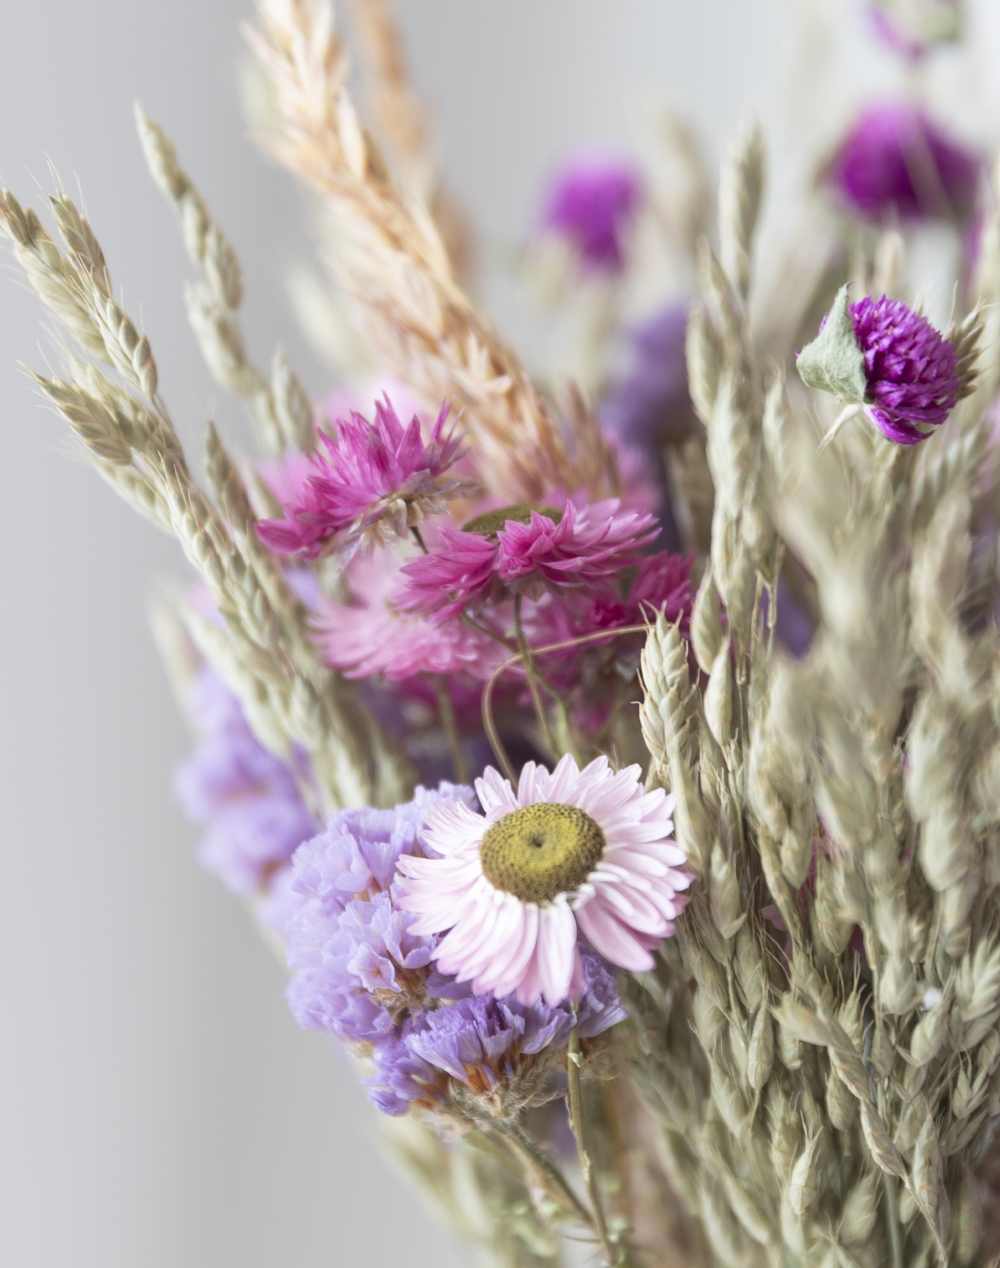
368, 485
525, 549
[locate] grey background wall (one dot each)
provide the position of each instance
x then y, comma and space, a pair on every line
158, 1106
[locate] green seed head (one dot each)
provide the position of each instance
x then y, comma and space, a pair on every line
538, 852
492, 522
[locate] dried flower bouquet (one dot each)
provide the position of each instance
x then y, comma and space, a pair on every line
704, 966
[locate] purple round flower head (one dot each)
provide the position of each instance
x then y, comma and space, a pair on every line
910, 370
247, 798
896, 161
592, 203
374, 481
482, 1041
651, 405
357, 960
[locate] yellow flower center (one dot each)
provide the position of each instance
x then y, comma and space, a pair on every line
492, 522
538, 852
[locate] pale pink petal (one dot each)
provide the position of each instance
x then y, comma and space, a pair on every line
556, 943
528, 791
507, 982
495, 793
633, 909
529, 989
495, 951
611, 939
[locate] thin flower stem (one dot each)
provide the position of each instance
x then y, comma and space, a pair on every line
528, 660
613, 1254
489, 726
502, 639
446, 712
845, 415
553, 1179
418, 537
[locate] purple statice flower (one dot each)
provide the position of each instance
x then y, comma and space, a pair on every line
357, 962
896, 162
401, 1077
910, 370
367, 485
482, 1042
650, 405
247, 798
592, 203
525, 549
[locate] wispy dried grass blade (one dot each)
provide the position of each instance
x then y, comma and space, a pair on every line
280, 408
263, 651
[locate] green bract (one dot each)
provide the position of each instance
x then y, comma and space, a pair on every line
834, 360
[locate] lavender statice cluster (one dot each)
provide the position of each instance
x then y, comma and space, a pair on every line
361, 973
246, 798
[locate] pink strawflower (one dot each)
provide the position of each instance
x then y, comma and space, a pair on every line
371, 636
525, 549
911, 371
573, 852
373, 482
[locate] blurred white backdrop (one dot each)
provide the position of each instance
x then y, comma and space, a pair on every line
158, 1105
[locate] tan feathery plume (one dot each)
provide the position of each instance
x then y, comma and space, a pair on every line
403, 125
394, 265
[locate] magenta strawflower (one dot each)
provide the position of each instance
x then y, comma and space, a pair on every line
896, 162
525, 549
572, 852
368, 485
592, 203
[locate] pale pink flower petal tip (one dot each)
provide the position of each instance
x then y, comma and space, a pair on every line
573, 852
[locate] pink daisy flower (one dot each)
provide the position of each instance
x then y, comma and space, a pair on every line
573, 852
373, 482
371, 636
528, 549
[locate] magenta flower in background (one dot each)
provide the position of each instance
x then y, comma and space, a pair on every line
896, 161
525, 548
911, 371
572, 852
661, 583
367, 485
592, 203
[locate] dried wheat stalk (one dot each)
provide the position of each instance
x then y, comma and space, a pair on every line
393, 264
